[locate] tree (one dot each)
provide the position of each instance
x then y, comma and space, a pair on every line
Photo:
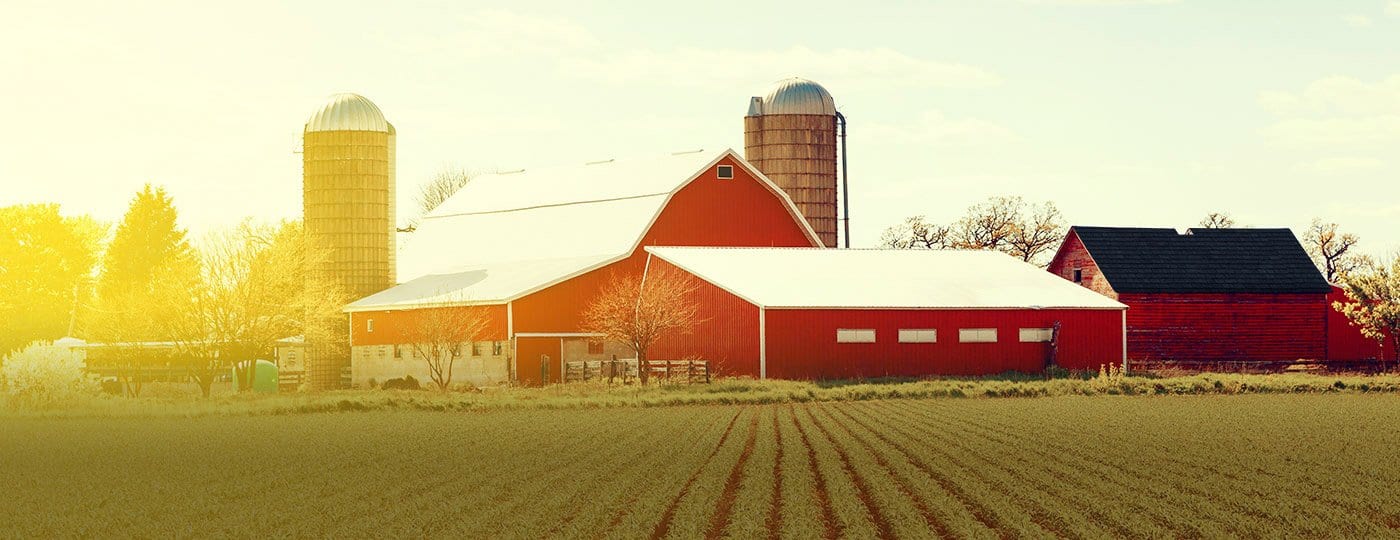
1218, 220
438, 189
256, 287
1331, 250
916, 233
639, 309
1006, 224
440, 336
1374, 306
148, 273
46, 264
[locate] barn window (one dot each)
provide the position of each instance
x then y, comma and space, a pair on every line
725, 172
369, 325
977, 335
1078, 275
927, 335
1036, 335
398, 351
595, 347
476, 348
496, 347
855, 335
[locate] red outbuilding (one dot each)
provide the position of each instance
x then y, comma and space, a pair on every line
530, 249
1346, 343
1205, 295
838, 314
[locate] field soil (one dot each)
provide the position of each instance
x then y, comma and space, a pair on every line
1077, 466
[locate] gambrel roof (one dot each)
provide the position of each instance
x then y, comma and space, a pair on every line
506, 235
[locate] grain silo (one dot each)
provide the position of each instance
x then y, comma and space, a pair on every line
790, 135
348, 207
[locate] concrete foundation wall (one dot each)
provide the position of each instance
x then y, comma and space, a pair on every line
378, 363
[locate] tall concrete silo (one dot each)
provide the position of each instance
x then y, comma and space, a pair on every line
348, 207
790, 135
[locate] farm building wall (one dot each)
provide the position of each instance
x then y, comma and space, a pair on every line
1345, 342
373, 364
1226, 327
802, 342
727, 335
1072, 256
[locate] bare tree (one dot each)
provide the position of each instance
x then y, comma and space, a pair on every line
256, 287
916, 233
1217, 220
1037, 233
1330, 249
1374, 293
438, 189
440, 335
1006, 224
639, 309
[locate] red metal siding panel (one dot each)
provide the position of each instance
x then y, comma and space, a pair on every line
529, 351
727, 335
802, 343
391, 327
1344, 341
1226, 327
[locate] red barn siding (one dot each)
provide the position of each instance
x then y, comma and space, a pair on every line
802, 342
1226, 327
1071, 255
727, 335
1345, 342
392, 327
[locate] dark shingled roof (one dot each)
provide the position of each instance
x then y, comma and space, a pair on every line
1142, 260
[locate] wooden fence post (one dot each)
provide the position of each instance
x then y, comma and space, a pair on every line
544, 369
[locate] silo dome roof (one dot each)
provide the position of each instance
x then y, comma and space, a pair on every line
347, 112
794, 96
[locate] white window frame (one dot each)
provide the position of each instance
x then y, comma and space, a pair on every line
918, 335
855, 335
1036, 335
1077, 275
369, 326
719, 172
977, 335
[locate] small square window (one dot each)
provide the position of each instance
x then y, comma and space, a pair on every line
726, 172
496, 347
1078, 275
1037, 335
476, 348
369, 325
977, 335
857, 335
595, 347
927, 335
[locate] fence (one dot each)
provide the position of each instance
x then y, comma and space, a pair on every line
627, 369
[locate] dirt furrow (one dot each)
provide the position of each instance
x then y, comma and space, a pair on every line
664, 526
863, 490
828, 515
720, 519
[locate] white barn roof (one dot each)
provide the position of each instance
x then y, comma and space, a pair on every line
506, 235
881, 278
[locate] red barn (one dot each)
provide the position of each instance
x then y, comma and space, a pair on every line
1205, 295
529, 249
1345, 342
839, 314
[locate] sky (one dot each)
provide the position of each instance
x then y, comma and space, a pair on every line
1131, 113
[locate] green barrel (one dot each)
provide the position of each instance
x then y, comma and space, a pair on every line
264, 378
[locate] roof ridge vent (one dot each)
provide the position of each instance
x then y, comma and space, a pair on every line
601, 161
684, 152
515, 171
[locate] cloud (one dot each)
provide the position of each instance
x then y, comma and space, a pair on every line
845, 68
1336, 110
1356, 21
1344, 165
934, 128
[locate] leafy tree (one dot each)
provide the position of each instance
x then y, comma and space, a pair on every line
1217, 220
1006, 224
1331, 250
256, 287
1374, 307
46, 264
149, 273
639, 309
